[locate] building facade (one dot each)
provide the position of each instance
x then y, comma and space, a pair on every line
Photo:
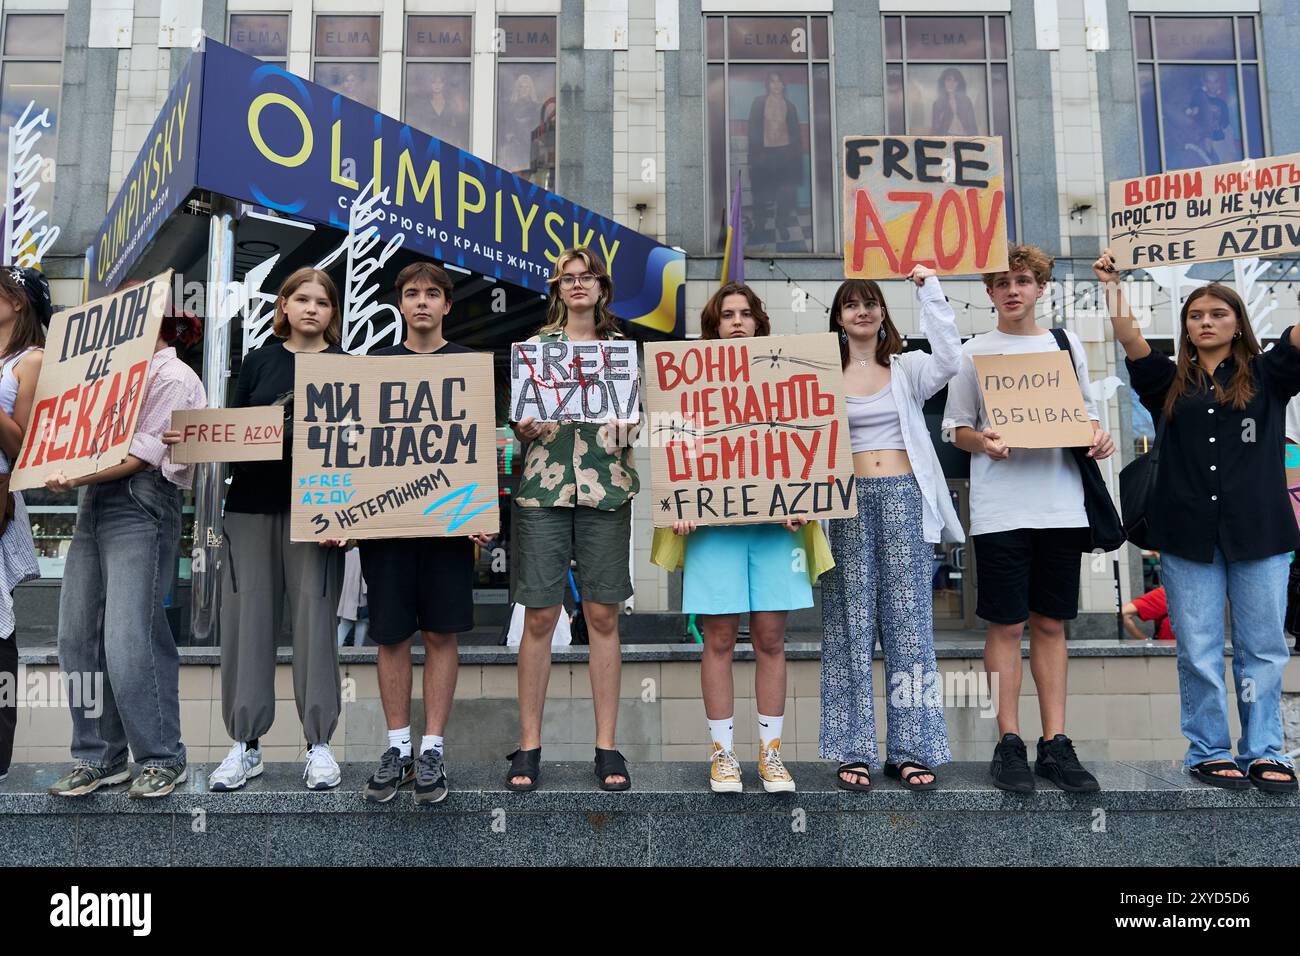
648, 111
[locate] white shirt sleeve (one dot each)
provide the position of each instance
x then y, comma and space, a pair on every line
1081, 367
963, 408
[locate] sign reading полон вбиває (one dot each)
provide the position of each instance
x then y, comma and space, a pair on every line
574, 381
748, 431
393, 447
92, 383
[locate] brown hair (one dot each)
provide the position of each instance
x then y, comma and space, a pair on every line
1188, 373
425, 270
557, 313
280, 325
869, 293
27, 332
1025, 257
711, 315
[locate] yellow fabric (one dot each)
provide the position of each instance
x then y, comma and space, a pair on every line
668, 550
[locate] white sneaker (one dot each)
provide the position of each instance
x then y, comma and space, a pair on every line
322, 771
240, 766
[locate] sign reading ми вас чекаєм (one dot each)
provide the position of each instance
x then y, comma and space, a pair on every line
748, 431
1033, 400
393, 447
936, 201
1229, 211
574, 381
92, 383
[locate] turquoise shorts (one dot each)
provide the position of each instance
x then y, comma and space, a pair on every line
734, 569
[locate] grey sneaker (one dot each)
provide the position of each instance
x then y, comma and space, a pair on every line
322, 771
84, 779
395, 772
240, 766
430, 778
156, 782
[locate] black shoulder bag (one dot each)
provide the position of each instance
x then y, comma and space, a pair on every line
1137, 486
1105, 530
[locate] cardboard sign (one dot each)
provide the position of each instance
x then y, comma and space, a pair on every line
1033, 400
1293, 478
574, 381
747, 431
92, 384
1251, 208
229, 434
393, 447
934, 200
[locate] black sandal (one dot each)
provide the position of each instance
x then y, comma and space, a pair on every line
1256, 772
1204, 772
906, 777
860, 769
610, 763
524, 763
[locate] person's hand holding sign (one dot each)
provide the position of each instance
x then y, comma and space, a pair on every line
171, 436
60, 483
920, 273
794, 524
994, 446
530, 429
482, 540
683, 527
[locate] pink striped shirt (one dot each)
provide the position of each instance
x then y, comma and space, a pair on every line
173, 386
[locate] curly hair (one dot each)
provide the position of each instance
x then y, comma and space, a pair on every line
711, 315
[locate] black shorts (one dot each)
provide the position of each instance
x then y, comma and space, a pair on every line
418, 584
1028, 570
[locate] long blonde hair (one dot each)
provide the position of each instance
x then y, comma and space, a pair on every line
557, 313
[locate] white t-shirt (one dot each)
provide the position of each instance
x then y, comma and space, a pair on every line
1293, 420
1034, 487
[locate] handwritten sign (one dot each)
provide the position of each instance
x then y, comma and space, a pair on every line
1033, 400
748, 431
937, 201
393, 447
229, 434
574, 381
1229, 211
1293, 478
93, 378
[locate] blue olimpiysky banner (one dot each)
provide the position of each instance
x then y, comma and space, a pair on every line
266, 136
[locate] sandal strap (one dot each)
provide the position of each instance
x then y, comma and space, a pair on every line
1210, 766
610, 763
525, 763
859, 768
910, 775
1260, 767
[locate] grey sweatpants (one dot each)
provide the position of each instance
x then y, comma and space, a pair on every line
266, 577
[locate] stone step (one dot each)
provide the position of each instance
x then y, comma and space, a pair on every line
1147, 813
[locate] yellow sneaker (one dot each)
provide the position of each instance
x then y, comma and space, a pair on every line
776, 779
724, 771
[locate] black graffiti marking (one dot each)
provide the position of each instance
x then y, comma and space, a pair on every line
111, 415
775, 358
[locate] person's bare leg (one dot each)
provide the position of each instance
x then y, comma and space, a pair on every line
1002, 657
534, 669
1049, 660
441, 666
716, 685
394, 667
767, 635
605, 664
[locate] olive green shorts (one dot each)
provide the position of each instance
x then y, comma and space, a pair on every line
547, 539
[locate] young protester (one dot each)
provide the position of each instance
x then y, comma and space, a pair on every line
743, 569
267, 576
1222, 520
1029, 527
884, 557
24, 311
1152, 606
418, 584
574, 501
120, 567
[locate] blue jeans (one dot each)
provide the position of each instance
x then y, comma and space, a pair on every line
1257, 592
120, 567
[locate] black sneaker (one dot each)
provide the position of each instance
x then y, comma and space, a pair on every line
395, 772
1010, 766
1058, 763
430, 778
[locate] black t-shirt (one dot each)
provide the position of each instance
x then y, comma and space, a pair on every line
1222, 474
447, 349
266, 378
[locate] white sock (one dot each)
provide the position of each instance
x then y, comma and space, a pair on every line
430, 742
722, 732
769, 728
401, 739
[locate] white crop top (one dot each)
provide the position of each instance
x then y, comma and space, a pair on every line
873, 421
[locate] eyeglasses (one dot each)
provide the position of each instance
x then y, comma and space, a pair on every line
585, 280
